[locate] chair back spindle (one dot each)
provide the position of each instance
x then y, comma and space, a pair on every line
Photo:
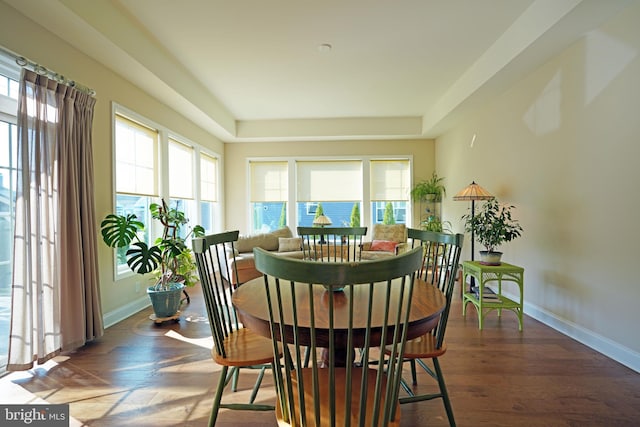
332, 244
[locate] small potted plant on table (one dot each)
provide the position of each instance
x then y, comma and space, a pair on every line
492, 226
169, 258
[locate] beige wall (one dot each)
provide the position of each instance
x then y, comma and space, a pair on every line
23, 36
236, 155
563, 146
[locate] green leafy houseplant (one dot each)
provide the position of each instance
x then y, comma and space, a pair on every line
431, 189
169, 258
433, 223
493, 225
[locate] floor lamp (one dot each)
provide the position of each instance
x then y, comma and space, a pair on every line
472, 192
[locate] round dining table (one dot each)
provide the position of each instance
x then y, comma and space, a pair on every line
250, 300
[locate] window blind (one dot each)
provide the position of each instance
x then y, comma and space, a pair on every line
180, 170
136, 158
389, 180
269, 181
208, 178
334, 181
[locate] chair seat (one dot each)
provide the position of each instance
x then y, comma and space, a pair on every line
245, 348
339, 390
423, 347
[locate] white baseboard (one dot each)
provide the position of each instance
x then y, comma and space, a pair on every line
599, 343
115, 316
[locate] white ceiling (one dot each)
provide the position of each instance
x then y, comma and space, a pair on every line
252, 70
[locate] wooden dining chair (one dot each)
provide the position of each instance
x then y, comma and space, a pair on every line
338, 307
441, 256
332, 244
234, 347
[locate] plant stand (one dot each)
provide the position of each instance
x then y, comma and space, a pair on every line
493, 273
159, 320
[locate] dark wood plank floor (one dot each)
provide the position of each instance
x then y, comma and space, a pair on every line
140, 374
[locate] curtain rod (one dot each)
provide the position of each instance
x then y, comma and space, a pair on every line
43, 71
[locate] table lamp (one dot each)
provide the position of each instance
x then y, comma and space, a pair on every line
322, 220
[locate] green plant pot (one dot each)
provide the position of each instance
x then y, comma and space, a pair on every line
166, 303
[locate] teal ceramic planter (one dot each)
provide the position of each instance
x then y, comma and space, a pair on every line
166, 303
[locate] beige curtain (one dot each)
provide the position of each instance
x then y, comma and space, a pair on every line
55, 293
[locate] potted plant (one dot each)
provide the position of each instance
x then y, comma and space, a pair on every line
169, 258
433, 223
429, 190
492, 226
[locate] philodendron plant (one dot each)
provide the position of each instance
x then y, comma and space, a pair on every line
169, 258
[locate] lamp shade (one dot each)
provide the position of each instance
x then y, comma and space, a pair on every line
322, 221
473, 192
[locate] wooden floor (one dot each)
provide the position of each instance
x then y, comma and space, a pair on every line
140, 374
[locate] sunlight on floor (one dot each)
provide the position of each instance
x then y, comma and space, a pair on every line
13, 394
206, 342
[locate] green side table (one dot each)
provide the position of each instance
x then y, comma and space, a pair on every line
485, 274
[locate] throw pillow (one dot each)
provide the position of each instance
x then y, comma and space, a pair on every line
247, 243
282, 232
289, 244
383, 245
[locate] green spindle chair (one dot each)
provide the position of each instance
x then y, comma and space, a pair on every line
341, 307
235, 347
332, 244
441, 257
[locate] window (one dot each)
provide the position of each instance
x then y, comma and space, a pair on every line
153, 163
311, 208
350, 192
268, 195
8, 87
136, 176
181, 181
334, 185
390, 190
208, 191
